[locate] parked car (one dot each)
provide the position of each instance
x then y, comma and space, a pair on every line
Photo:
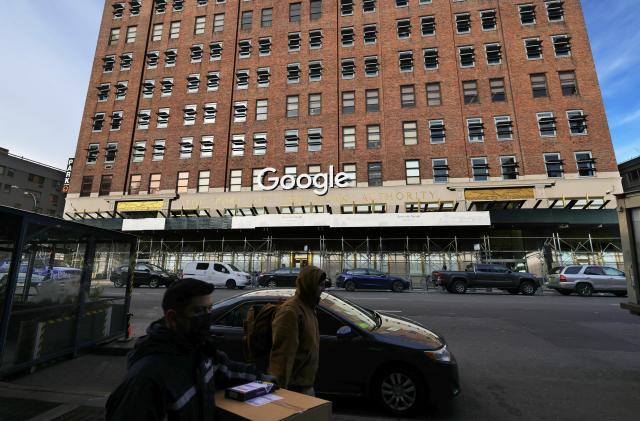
587, 279
283, 277
362, 278
487, 276
394, 360
143, 274
217, 273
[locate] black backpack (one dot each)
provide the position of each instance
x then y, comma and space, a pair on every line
257, 334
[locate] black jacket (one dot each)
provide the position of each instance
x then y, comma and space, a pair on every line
170, 379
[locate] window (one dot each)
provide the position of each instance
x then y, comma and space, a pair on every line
497, 90
266, 17
215, 51
314, 139
190, 114
259, 143
144, 117
546, 124
402, 3
539, 85
237, 145
463, 23
291, 141
293, 41
182, 186
554, 165
246, 20
373, 136
108, 62
585, 164
527, 14
244, 48
87, 186
350, 170
434, 96
493, 53
152, 59
114, 36
116, 120
200, 25
170, 57
160, 6
92, 153
562, 45
98, 122
315, 39
131, 34
370, 34
347, 37
135, 7
374, 174
315, 71
206, 147
405, 61
480, 169
371, 66
158, 150
111, 151
467, 56
410, 132
475, 130
346, 7
315, 104
372, 98
509, 167
488, 19
436, 131
193, 83
264, 46
262, 109
315, 10
431, 59
134, 184
349, 137
240, 112
218, 22
204, 178
568, 83
174, 29
348, 102
504, 127
533, 48
118, 10
403, 28
577, 122
156, 34
254, 187
428, 26
440, 170
103, 92
105, 185
292, 105
368, 6
555, 10
264, 76
348, 68
178, 5
196, 53
470, 92
162, 120
294, 12
148, 86
167, 86
293, 73
139, 149
154, 183
126, 60
242, 79
210, 111
412, 171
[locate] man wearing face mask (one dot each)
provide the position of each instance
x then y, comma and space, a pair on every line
295, 334
175, 369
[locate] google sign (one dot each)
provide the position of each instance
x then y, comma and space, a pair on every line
320, 182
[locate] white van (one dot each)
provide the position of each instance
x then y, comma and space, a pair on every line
217, 273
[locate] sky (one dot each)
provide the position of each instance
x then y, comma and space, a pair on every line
46, 66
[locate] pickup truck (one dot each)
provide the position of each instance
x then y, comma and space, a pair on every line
487, 276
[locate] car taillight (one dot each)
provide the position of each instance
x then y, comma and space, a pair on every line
438, 276
563, 278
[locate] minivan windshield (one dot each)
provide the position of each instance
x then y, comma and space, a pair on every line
233, 267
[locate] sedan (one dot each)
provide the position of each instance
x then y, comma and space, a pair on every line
370, 279
394, 360
144, 274
283, 277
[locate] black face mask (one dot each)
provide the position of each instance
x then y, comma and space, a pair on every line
199, 327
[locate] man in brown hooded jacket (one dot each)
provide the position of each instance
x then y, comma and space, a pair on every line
295, 334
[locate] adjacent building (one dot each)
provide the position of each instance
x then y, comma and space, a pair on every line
391, 134
30, 185
630, 173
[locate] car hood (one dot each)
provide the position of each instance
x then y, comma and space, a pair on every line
402, 331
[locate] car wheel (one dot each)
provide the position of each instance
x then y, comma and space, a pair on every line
513, 291
565, 291
400, 392
397, 286
584, 290
118, 283
272, 284
527, 288
459, 287
350, 286
231, 284
620, 294
154, 283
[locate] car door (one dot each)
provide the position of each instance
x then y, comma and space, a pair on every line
141, 274
220, 274
201, 271
596, 275
292, 276
359, 276
377, 279
501, 277
616, 279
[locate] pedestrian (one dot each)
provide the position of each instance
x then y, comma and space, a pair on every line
295, 349
174, 371
444, 266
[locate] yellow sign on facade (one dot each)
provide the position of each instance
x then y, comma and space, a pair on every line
520, 193
141, 206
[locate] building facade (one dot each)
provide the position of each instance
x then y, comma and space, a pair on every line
630, 173
383, 117
30, 185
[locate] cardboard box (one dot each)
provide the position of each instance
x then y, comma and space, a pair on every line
291, 406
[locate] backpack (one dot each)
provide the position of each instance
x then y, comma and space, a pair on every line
257, 338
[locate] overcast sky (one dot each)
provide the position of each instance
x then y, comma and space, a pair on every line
49, 47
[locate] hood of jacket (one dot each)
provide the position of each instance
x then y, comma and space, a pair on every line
159, 340
307, 284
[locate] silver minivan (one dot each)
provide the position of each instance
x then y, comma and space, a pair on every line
587, 279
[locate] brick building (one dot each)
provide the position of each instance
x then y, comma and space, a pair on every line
443, 117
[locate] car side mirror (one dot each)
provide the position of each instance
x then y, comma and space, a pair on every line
344, 332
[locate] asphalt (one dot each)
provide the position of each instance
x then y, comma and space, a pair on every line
544, 357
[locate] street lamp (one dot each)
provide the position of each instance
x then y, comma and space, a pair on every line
28, 193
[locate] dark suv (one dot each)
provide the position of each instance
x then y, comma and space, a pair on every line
144, 274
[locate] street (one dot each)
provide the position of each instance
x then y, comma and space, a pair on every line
537, 357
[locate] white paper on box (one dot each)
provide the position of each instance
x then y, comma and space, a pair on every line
263, 400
